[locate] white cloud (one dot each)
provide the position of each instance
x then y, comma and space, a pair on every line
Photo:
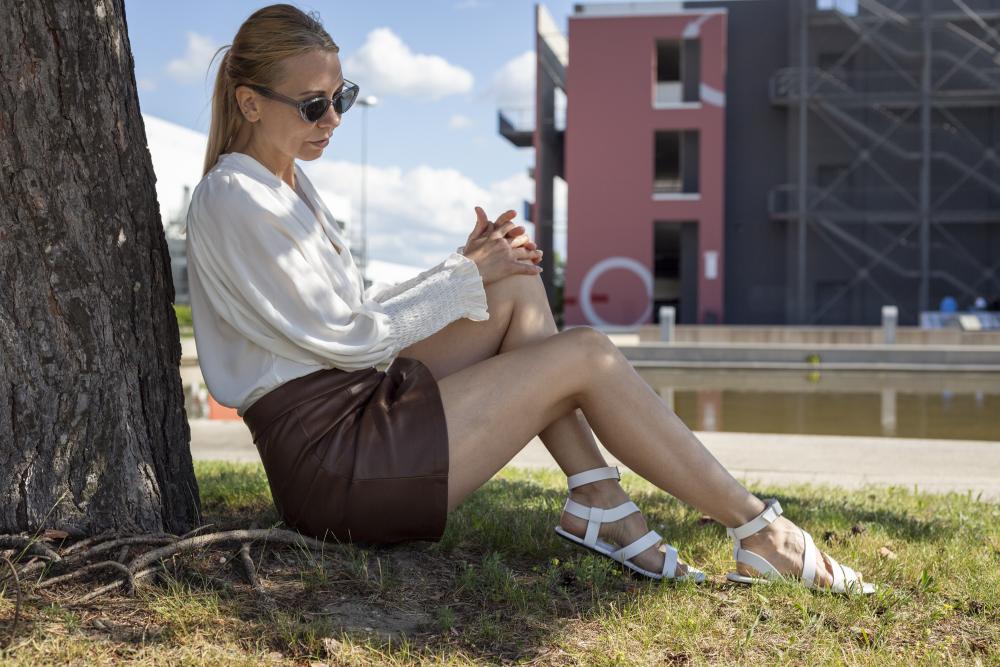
387, 66
193, 65
416, 217
147, 84
513, 84
469, 4
459, 122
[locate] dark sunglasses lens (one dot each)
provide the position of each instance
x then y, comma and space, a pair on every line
315, 109
345, 99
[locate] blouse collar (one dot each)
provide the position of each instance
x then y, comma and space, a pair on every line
254, 166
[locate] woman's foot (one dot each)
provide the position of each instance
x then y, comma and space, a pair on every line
781, 543
609, 493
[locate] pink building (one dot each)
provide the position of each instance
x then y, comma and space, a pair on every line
643, 156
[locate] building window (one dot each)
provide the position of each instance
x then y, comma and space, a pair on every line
675, 162
678, 71
848, 7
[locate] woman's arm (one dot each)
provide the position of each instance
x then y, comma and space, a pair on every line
259, 279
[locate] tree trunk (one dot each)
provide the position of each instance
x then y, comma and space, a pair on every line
93, 433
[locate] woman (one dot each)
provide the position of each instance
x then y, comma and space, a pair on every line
378, 411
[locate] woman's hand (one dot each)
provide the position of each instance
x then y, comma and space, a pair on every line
518, 238
516, 235
494, 255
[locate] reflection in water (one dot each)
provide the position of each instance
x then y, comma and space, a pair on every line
959, 405
900, 404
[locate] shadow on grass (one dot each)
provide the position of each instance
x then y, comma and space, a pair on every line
500, 584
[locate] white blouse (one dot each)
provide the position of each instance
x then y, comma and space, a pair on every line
275, 293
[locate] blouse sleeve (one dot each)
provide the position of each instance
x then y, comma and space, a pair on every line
456, 262
260, 279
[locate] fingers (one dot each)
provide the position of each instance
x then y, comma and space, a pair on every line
526, 268
505, 216
482, 223
500, 230
533, 256
523, 240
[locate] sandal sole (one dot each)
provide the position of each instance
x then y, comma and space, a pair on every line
569, 537
736, 578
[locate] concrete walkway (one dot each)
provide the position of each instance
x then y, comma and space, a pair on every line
928, 465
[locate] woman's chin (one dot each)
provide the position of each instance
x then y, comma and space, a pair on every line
310, 153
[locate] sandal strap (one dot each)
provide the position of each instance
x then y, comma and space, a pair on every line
595, 516
757, 562
838, 575
845, 579
758, 523
670, 563
808, 560
637, 547
593, 475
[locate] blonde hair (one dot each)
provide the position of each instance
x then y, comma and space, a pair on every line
263, 41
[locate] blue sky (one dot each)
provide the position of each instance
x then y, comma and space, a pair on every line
440, 70
405, 130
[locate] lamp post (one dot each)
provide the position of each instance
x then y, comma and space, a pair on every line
365, 102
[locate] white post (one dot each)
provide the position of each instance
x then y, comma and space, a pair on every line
890, 315
667, 318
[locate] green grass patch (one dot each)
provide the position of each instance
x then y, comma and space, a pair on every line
502, 587
185, 323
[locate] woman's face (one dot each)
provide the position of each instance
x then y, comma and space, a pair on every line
279, 125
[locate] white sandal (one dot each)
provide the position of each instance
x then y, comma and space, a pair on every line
845, 580
598, 515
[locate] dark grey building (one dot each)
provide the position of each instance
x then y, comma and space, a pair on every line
862, 158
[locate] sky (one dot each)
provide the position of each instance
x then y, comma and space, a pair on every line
440, 70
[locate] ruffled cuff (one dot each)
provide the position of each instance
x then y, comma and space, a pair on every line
469, 287
452, 290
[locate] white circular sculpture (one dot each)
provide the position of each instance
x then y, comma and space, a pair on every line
595, 272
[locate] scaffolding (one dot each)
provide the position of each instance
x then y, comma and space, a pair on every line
894, 156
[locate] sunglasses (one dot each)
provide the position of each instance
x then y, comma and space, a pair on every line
313, 109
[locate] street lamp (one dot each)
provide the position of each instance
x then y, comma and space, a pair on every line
365, 102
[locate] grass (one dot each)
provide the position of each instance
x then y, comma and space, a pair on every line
501, 587
184, 321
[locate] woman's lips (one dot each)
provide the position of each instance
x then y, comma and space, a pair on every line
321, 143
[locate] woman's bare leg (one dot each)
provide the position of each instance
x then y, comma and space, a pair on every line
519, 316
663, 440
493, 408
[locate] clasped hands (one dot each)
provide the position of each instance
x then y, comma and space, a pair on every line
512, 232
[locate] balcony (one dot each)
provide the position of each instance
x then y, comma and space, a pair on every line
883, 204
517, 125
864, 89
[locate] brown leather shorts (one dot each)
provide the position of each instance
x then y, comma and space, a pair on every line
360, 456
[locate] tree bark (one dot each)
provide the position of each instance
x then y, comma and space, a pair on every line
93, 433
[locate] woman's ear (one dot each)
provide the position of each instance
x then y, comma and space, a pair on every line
247, 102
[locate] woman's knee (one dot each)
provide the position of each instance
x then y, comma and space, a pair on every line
518, 287
592, 347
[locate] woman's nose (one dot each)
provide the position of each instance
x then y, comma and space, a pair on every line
330, 119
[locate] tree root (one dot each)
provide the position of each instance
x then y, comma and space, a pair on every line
28, 545
87, 569
75, 557
250, 568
